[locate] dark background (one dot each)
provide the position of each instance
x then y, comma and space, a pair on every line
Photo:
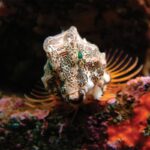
24, 24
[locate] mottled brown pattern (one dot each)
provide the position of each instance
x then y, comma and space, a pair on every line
76, 62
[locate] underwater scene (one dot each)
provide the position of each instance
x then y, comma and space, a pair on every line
75, 75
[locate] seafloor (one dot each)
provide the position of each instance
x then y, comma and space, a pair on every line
118, 123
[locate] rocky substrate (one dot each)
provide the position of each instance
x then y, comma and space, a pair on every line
121, 123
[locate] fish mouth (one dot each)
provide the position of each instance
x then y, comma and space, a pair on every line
77, 100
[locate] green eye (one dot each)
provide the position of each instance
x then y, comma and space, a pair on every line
80, 56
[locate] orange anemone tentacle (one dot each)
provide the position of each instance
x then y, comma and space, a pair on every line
114, 75
117, 65
123, 79
111, 59
116, 61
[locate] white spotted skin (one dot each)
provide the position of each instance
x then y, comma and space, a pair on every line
75, 76
106, 77
97, 93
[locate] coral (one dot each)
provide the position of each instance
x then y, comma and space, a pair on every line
130, 131
121, 123
137, 87
147, 129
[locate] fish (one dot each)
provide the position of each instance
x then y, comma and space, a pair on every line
120, 66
